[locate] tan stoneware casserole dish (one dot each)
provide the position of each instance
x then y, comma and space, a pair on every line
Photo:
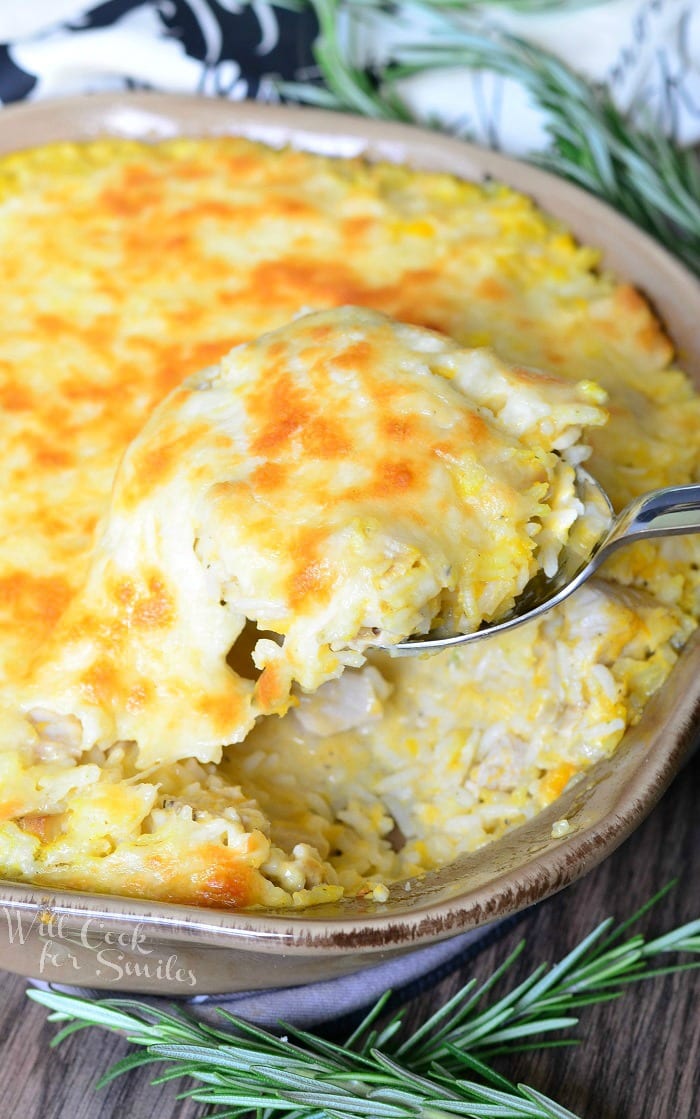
196, 951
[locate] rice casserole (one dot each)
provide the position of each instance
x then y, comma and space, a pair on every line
134, 279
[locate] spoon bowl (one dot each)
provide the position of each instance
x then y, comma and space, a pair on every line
595, 534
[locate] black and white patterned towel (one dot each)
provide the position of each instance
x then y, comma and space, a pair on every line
647, 52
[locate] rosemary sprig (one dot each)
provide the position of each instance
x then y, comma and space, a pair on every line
299, 1074
347, 86
534, 7
377, 1073
637, 169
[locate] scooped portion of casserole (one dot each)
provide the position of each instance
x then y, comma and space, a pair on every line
342, 482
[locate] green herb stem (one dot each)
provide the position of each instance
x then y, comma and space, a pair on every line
439, 1072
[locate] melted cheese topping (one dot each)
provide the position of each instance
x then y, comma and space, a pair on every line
342, 482
124, 269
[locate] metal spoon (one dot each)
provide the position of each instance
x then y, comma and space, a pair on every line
595, 534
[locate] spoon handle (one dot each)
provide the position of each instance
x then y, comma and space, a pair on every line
666, 512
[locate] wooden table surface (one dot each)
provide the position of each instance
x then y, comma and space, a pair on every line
640, 1057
